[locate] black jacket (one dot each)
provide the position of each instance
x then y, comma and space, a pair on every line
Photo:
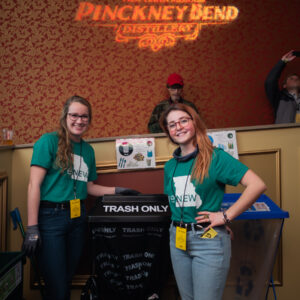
283, 103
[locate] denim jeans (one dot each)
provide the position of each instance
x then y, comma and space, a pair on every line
62, 243
202, 269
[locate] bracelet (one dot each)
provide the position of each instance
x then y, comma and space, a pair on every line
226, 220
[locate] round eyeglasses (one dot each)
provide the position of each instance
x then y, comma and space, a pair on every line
182, 121
75, 117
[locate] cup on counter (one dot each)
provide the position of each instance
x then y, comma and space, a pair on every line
7, 136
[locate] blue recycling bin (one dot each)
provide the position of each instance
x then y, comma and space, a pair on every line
257, 234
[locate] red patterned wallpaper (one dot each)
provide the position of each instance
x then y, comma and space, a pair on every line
46, 56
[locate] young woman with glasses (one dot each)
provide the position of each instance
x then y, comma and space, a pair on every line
194, 180
62, 172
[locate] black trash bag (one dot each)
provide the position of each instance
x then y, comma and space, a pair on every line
90, 290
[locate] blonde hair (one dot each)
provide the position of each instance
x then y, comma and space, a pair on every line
64, 159
203, 159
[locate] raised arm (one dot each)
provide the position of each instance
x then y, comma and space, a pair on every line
288, 56
271, 83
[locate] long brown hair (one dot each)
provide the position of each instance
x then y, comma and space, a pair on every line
200, 169
64, 158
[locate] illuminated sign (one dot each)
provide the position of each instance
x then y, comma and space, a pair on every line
155, 23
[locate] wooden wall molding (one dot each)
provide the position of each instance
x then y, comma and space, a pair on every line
3, 210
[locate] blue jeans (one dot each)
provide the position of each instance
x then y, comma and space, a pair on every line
62, 243
202, 269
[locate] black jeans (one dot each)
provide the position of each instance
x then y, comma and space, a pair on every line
62, 243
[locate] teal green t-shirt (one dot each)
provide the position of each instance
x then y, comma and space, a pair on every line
189, 197
57, 186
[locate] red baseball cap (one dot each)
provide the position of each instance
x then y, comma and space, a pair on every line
174, 79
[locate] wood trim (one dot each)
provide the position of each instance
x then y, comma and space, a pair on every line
111, 166
3, 210
277, 152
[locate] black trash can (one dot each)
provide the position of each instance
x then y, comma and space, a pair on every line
130, 245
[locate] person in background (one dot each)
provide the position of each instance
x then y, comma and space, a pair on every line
286, 101
194, 180
175, 89
62, 172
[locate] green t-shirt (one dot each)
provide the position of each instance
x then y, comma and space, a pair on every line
57, 186
191, 197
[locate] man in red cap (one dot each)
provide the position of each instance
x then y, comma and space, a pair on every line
175, 87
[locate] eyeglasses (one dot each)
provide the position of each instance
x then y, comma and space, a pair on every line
74, 117
183, 122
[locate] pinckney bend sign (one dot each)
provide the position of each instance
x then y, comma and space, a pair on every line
155, 23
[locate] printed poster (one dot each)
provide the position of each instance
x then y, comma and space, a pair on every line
136, 153
225, 140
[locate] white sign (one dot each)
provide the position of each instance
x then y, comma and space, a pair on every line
225, 140
136, 153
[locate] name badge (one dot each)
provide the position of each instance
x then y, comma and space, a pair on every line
180, 241
75, 210
209, 234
